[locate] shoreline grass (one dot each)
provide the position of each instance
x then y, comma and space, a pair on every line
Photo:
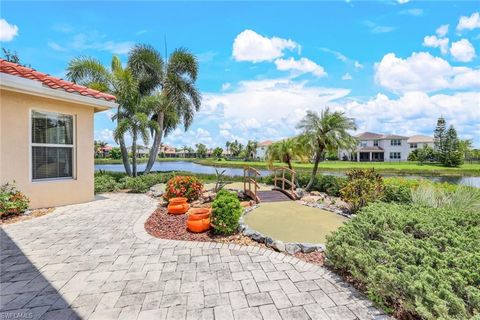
400, 168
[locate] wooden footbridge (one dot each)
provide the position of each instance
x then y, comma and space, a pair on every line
283, 190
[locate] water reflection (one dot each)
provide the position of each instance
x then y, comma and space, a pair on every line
197, 168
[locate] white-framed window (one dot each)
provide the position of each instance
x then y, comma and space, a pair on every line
395, 142
375, 143
363, 143
413, 146
395, 155
52, 145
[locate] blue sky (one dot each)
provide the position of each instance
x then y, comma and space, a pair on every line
395, 66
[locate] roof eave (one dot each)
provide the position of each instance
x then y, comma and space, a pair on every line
32, 87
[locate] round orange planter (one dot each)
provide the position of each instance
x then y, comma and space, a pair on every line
177, 205
198, 225
198, 213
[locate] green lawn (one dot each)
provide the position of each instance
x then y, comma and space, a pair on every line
386, 167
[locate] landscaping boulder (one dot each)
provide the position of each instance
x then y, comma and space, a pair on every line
208, 196
308, 247
157, 190
292, 248
278, 245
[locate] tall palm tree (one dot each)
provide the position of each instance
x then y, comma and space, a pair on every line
324, 132
178, 98
127, 87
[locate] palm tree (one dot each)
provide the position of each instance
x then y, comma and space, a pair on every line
177, 97
286, 151
227, 145
126, 86
324, 132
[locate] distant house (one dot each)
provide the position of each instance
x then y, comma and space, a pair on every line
374, 147
262, 149
142, 151
167, 151
46, 135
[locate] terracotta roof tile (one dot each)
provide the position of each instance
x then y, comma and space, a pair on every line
50, 81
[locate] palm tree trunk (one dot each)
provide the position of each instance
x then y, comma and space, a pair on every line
124, 151
134, 153
314, 171
156, 143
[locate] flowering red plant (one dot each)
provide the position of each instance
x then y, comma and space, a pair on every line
184, 186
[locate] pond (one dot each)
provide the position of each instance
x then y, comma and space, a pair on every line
198, 168
292, 222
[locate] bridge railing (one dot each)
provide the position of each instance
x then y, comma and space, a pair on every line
284, 184
250, 176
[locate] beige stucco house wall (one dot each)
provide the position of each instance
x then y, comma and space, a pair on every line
18, 97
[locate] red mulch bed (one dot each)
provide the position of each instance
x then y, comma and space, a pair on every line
168, 226
316, 257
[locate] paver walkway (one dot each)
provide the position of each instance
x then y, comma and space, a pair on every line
95, 261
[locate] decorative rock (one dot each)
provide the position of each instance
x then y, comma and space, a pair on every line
308, 247
258, 237
315, 193
299, 192
208, 196
158, 190
278, 245
292, 248
268, 241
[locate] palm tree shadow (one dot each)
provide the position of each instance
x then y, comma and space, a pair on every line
24, 292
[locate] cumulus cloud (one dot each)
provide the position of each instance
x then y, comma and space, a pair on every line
347, 76
226, 86
417, 112
462, 50
251, 46
301, 66
423, 72
442, 30
358, 66
469, 23
434, 42
7, 31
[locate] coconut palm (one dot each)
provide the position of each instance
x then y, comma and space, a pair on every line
126, 86
286, 151
178, 98
325, 132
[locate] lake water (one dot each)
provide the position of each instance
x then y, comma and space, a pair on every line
198, 168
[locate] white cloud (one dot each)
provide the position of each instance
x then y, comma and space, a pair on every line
340, 56
358, 66
105, 135
226, 86
251, 46
417, 112
462, 50
251, 123
442, 30
423, 72
403, 1
301, 66
416, 12
55, 46
225, 126
434, 42
469, 23
376, 28
7, 31
347, 76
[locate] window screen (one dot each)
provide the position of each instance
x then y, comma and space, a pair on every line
52, 145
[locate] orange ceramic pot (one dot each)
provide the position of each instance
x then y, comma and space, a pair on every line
177, 205
198, 225
198, 213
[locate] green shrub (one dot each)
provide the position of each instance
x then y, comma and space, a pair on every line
226, 211
12, 201
363, 186
329, 184
399, 189
421, 262
105, 183
184, 186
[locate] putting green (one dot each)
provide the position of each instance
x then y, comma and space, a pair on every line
292, 222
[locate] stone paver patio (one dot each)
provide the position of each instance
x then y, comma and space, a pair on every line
95, 261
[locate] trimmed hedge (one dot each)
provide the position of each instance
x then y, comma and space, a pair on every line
419, 262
